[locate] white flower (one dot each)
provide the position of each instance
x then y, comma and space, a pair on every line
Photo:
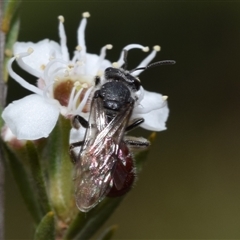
65, 85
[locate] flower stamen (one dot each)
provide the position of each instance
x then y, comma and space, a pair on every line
81, 33
74, 103
147, 60
76, 54
101, 57
164, 98
22, 64
19, 79
49, 65
63, 39
120, 61
84, 101
103, 51
70, 102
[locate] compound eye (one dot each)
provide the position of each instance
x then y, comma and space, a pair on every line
112, 73
133, 82
108, 72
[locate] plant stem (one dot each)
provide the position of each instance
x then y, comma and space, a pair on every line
3, 90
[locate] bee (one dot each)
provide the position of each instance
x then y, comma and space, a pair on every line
104, 164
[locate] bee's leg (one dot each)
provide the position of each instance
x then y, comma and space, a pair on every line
76, 144
74, 150
79, 120
136, 143
134, 123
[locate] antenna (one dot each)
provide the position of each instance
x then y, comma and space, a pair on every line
164, 62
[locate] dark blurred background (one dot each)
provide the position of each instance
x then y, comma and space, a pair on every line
190, 186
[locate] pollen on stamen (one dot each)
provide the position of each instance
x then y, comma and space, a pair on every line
164, 98
84, 85
157, 48
109, 46
42, 67
86, 15
76, 84
115, 64
70, 66
78, 48
61, 18
145, 49
30, 50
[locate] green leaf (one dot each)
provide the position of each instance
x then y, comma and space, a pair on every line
86, 224
10, 26
11, 38
37, 176
46, 228
10, 9
23, 183
59, 167
1, 120
108, 233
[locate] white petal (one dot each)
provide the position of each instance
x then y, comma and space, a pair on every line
77, 135
150, 101
154, 110
31, 117
7, 134
155, 120
43, 51
92, 64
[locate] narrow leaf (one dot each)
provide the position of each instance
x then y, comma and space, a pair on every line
10, 8
86, 224
23, 183
108, 233
1, 120
46, 228
59, 169
11, 38
37, 176
98, 216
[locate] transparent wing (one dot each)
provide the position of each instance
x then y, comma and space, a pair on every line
93, 176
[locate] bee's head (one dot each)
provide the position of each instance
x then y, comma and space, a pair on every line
121, 75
